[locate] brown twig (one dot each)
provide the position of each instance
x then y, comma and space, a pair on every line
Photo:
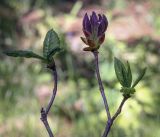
44, 113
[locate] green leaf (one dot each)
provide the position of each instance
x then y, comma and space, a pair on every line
121, 72
22, 53
53, 51
129, 74
139, 77
51, 44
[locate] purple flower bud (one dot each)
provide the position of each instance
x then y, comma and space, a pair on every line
86, 24
102, 26
99, 17
94, 20
94, 28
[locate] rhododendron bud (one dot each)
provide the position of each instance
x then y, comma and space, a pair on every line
94, 28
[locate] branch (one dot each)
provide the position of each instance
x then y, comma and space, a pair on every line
45, 122
119, 108
53, 68
101, 88
44, 113
109, 124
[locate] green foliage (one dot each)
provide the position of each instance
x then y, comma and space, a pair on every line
140, 76
127, 92
51, 45
123, 75
21, 53
129, 74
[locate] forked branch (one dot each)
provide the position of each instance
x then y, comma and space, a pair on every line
44, 112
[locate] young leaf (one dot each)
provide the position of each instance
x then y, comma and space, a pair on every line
22, 53
129, 74
51, 44
121, 72
52, 52
139, 77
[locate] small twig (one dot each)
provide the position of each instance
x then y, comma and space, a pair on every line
54, 71
101, 88
44, 113
45, 122
119, 108
109, 124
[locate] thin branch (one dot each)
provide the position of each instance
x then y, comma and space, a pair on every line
44, 113
45, 122
110, 119
119, 109
101, 88
53, 68
109, 124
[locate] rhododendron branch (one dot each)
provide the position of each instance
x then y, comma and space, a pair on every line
110, 123
101, 88
45, 122
53, 68
119, 108
110, 119
44, 113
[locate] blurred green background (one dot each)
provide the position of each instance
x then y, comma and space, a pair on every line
78, 111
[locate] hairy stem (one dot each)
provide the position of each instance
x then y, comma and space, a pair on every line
101, 88
44, 113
